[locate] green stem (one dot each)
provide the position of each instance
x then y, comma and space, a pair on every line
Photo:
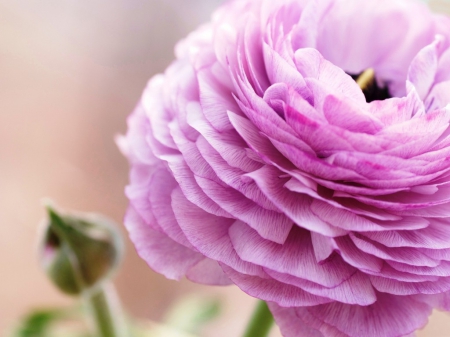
106, 313
261, 321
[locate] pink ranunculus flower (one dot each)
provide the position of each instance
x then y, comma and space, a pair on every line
258, 160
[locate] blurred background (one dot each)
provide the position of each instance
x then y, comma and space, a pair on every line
70, 73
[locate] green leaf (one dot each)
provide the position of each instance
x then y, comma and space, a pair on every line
53, 322
38, 323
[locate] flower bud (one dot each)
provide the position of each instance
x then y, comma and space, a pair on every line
79, 252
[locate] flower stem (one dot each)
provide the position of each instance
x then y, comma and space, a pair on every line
106, 314
261, 321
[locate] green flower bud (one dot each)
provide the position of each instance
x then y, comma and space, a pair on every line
79, 252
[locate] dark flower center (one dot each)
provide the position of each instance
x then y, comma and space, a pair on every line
370, 87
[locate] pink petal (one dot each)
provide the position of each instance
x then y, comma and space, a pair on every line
271, 290
233, 176
342, 218
423, 68
138, 148
156, 112
295, 206
161, 253
357, 289
211, 241
443, 269
292, 325
389, 316
356, 258
270, 225
186, 180
208, 272
395, 287
435, 236
306, 30
323, 246
406, 255
215, 99
284, 258
227, 143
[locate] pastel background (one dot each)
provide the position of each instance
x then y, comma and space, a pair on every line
70, 73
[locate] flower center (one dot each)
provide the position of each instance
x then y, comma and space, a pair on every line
370, 87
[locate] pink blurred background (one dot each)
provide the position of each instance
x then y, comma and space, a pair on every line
70, 73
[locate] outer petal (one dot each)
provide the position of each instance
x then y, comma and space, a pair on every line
389, 316
271, 290
284, 258
160, 252
292, 326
